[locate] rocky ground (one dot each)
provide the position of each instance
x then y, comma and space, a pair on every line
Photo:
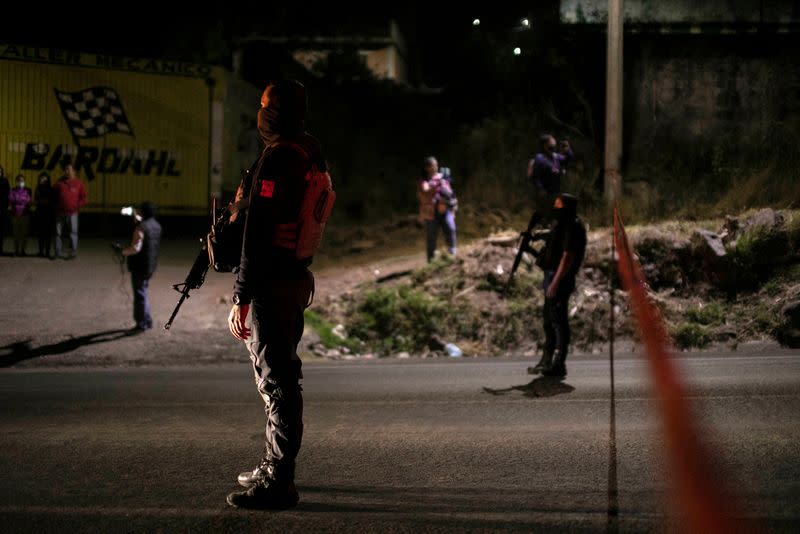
720, 281
737, 282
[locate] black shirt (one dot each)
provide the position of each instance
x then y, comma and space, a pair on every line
276, 195
5, 189
565, 237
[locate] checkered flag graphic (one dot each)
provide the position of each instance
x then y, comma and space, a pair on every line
93, 112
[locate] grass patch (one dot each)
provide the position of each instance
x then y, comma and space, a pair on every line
757, 253
765, 320
432, 269
793, 230
773, 286
396, 319
464, 321
691, 335
324, 330
712, 314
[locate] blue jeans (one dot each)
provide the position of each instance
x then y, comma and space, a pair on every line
447, 222
141, 304
64, 224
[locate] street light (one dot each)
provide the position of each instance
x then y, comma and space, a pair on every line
517, 51
476, 22
526, 23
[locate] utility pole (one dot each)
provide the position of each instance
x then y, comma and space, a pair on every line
613, 149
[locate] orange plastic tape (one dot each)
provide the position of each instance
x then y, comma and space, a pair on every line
698, 488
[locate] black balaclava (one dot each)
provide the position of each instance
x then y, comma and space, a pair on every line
283, 111
565, 208
147, 210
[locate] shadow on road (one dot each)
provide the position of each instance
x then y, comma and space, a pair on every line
543, 386
22, 350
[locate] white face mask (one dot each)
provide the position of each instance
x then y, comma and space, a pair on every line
20, 184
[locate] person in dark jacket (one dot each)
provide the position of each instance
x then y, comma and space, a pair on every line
142, 254
5, 189
45, 213
545, 173
276, 287
560, 260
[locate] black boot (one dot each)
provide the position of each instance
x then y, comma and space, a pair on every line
248, 478
544, 363
267, 494
558, 369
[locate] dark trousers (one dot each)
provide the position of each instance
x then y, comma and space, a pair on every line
447, 223
141, 304
277, 326
44, 230
3, 222
20, 225
556, 318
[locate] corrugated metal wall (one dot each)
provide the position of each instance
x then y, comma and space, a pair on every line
169, 116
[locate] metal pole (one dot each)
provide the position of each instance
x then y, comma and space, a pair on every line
612, 511
613, 149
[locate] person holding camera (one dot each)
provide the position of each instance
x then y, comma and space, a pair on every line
437, 207
545, 173
142, 255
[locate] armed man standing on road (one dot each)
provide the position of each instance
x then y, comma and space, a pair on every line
274, 283
560, 260
142, 254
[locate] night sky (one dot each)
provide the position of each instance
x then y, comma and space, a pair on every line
438, 35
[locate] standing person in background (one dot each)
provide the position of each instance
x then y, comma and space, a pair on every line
142, 254
545, 172
20, 200
45, 215
436, 207
5, 188
70, 196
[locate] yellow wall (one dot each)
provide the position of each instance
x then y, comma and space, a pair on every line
168, 114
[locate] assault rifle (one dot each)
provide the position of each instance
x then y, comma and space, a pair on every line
526, 240
195, 279
221, 249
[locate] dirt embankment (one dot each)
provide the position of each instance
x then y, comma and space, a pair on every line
720, 281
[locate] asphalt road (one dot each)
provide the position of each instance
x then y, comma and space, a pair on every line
394, 446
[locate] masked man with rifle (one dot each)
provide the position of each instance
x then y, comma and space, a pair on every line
560, 260
274, 285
